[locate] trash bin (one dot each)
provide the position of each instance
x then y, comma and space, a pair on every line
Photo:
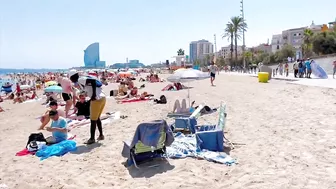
263, 77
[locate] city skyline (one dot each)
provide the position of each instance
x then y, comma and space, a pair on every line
54, 34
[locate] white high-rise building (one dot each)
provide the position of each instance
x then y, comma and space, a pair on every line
199, 49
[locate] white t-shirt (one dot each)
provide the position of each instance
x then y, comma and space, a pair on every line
88, 89
212, 69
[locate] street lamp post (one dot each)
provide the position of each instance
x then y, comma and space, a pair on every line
243, 47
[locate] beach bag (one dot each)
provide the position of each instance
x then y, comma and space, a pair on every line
37, 137
162, 100
98, 83
35, 142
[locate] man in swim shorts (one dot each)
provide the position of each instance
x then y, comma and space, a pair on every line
212, 70
309, 70
93, 88
66, 93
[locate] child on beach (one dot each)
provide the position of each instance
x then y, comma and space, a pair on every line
45, 118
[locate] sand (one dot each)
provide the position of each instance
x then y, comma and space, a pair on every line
288, 132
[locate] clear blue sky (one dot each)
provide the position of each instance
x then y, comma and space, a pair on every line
53, 34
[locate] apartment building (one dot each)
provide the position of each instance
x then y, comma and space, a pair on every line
199, 49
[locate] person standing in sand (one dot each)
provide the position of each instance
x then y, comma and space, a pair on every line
93, 89
212, 70
66, 93
334, 68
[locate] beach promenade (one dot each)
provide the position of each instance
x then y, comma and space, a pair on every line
285, 137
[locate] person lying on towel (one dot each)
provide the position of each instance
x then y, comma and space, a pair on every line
58, 128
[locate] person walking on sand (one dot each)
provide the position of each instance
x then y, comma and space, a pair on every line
65, 83
334, 68
93, 88
212, 70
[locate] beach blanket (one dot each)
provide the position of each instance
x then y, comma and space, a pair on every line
135, 100
25, 151
58, 149
186, 146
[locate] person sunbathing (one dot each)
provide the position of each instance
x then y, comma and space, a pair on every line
131, 94
173, 87
81, 109
45, 118
1, 109
18, 98
130, 83
180, 107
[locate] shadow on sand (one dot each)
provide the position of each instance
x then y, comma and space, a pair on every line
145, 170
82, 149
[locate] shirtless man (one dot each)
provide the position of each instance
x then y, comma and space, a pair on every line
66, 93
45, 119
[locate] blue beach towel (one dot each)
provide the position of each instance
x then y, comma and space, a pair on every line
58, 149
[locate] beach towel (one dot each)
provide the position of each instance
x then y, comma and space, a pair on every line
134, 100
186, 146
25, 151
58, 149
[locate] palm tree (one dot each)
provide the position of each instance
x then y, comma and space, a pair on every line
229, 34
180, 52
239, 26
307, 42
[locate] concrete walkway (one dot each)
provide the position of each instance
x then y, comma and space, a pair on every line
325, 83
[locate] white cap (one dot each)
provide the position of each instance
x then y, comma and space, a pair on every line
72, 72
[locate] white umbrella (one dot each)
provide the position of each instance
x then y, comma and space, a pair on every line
185, 76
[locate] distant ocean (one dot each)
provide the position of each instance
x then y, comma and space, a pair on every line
6, 71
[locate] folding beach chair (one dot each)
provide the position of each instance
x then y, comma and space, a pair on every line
149, 141
211, 137
188, 123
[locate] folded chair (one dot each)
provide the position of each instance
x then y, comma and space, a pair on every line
149, 141
188, 123
211, 137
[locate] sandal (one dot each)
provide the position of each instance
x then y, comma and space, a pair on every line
90, 141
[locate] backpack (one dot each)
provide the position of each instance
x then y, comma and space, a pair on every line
98, 83
162, 100
35, 137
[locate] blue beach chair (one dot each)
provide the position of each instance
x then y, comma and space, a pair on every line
149, 141
211, 137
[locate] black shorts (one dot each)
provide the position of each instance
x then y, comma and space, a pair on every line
66, 96
212, 75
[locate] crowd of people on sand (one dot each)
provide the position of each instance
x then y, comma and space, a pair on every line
82, 98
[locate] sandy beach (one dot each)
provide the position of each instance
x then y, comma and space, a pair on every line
287, 134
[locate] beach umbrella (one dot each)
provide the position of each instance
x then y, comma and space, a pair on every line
53, 89
50, 83
186, 76
180, 69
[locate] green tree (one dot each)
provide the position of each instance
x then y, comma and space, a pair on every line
180, 52
287, 51
248, 56
220, 61
239, 26
324, 43
229, 34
